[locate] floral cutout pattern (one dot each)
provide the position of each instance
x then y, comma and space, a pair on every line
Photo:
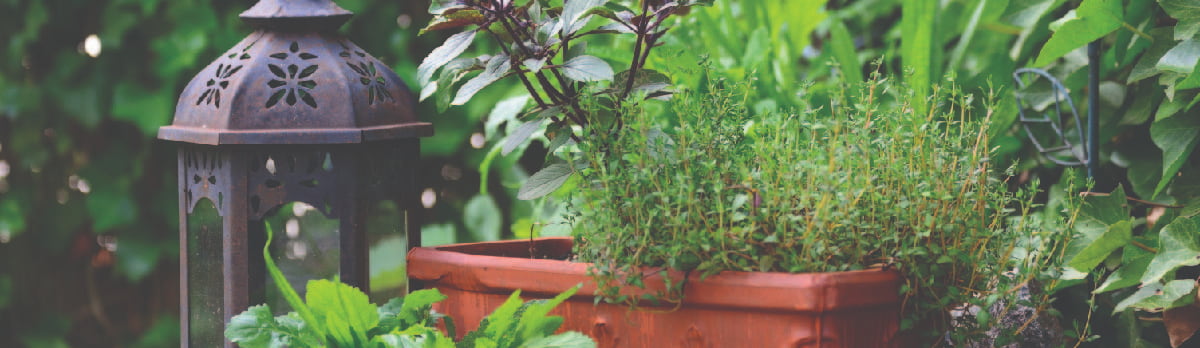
292, 83
220, 78
367, 75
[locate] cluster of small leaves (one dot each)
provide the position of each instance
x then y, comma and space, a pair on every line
863, 183
542, 46
334, 314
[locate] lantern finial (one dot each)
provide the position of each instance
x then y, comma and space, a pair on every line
296, 13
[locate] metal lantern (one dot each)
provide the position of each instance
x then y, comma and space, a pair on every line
292, 113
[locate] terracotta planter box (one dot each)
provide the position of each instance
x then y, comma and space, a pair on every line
731, 309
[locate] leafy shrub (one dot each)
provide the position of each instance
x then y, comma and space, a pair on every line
338, 315
862, 183
534, 34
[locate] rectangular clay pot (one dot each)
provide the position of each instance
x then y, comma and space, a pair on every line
730, 309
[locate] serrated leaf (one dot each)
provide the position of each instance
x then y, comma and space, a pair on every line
536, 320
1177, 136
482, 218
1093, 19
520, 136
348, 313
252, 328
1178, 245
587, 68
452, 48
497, 67
1095, 251
545, 181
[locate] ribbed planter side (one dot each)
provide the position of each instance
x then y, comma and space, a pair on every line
730, 309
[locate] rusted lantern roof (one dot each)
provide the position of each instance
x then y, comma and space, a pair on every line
295, 80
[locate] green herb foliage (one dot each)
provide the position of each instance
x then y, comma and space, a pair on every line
334, 314
864, 182
543, 46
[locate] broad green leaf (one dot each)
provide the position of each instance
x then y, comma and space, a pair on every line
570, 339
505, 111
347, 311
1133, 264
417, 304
1187, 30
520, 135
252, 328
916, 50
1178, 245
497, 67
1181, 58
503, 317
1147, 65
536, 321
647, 80
534, 64
587, 68
1026, 16
452, 48
574, 10
1109, 209
842, 45
758, 48
1093, 19
1187, 12
1095, 251
482, 218
1177, 136
545, 181
1156, 297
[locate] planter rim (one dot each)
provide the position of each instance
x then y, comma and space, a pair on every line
478, 267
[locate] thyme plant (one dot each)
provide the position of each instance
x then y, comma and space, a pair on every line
862, 183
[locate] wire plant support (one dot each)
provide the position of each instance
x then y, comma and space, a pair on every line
1090, 139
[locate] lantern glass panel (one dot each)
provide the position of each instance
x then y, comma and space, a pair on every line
206, 315
386, 236
305, 247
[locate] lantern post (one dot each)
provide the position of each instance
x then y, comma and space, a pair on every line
293, 113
